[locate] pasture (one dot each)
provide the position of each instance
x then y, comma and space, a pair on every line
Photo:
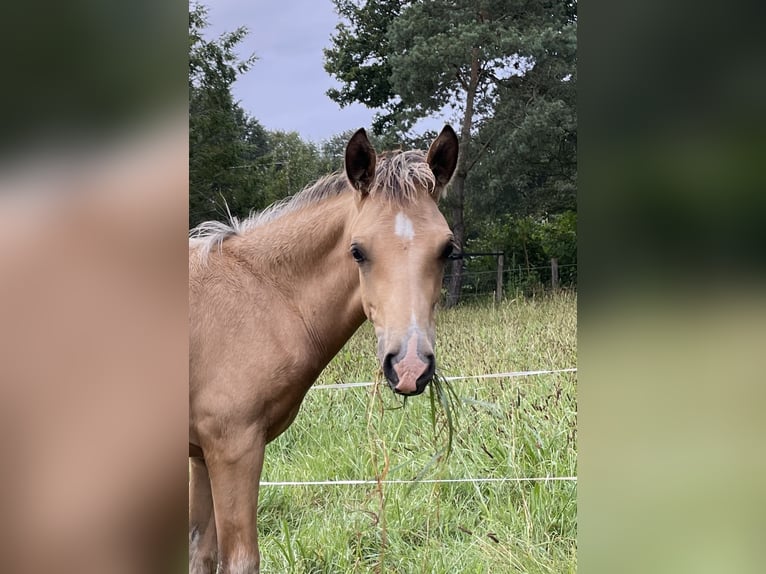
508, 427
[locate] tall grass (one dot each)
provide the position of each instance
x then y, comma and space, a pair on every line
520, 427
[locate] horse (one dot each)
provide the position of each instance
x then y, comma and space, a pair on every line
275, 296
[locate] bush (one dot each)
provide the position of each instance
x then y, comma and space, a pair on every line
529, 244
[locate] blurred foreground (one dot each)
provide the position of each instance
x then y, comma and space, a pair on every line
93, 357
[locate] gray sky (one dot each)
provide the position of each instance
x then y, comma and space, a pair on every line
285, 89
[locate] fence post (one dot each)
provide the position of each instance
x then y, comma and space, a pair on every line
554, 273
499, 288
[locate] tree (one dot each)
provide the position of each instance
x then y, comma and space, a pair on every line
221, 136
333, 149
359, 58
289, 165
415, 58
534, 171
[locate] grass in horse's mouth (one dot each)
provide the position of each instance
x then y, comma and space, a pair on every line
444, 397
444, 410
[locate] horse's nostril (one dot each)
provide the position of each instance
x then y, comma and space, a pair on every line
388, 368
428, 374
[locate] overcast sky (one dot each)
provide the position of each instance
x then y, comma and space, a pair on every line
285, 89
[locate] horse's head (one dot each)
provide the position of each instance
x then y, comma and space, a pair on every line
400, 242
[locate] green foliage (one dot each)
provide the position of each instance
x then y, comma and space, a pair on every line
529, 244
333, 149
221, 136
289, 165
413, 58
359, 57
558, 236
530, 164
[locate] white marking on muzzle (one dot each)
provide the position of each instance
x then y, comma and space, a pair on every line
403, 227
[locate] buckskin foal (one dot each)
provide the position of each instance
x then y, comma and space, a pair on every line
274, 297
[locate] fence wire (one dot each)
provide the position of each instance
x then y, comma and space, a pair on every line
361, 482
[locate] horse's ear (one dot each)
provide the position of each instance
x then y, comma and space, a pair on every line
442, 158
360, 162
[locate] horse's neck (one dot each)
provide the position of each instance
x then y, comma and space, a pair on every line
305, 255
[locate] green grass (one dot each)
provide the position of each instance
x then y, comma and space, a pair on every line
520, 427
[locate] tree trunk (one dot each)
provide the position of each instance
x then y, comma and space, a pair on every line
458, 183
455, 283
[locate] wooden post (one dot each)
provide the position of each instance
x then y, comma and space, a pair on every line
554, 273
499, 288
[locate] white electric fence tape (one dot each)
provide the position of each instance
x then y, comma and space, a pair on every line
508, 375
426, 481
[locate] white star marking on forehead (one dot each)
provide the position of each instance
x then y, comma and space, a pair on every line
403, 226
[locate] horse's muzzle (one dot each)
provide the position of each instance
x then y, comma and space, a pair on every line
409, 375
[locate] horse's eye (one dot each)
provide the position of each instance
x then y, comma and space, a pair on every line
357, 254
450, 251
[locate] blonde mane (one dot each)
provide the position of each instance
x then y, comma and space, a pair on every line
399, 177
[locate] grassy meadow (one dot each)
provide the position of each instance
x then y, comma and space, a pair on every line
511, 427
